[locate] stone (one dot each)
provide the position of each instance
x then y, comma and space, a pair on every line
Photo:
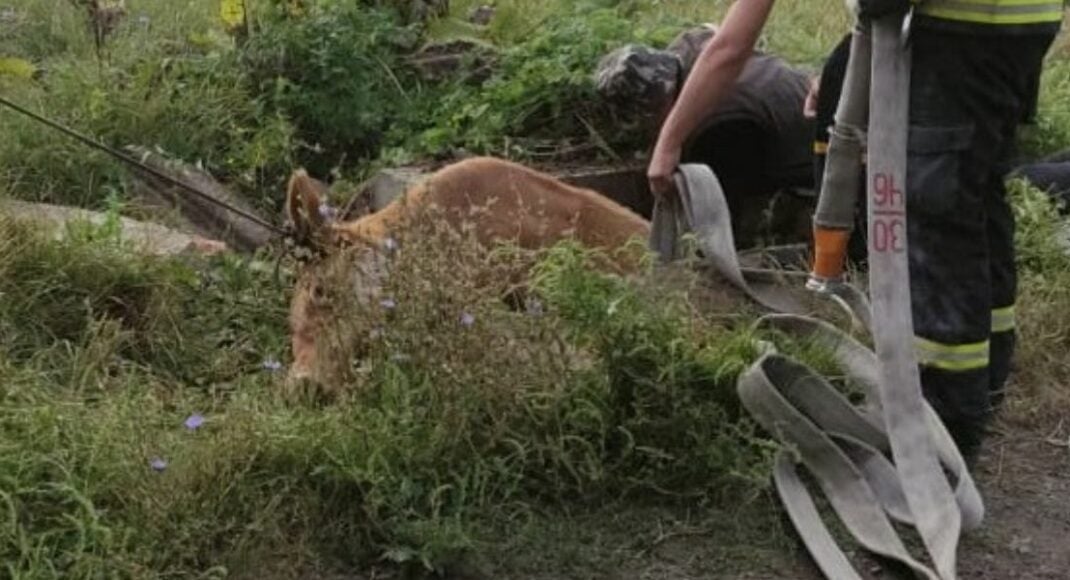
424, 10
627, 185
388, 184
146, 237
195, 214
481, 15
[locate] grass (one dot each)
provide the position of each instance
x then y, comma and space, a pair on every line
105, 356
172, 78
572, 438
617, 411
1044, 330
168, 78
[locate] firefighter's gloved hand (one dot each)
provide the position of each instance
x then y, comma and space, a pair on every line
871, 9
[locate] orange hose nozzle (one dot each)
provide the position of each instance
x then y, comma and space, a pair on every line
830, 252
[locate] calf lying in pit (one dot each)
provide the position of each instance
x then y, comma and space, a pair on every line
494, 200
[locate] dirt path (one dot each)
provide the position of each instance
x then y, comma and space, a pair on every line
1025, 480
1024, 477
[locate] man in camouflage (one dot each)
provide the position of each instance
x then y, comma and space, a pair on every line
757, 140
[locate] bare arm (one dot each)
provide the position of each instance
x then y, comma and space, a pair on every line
715, 72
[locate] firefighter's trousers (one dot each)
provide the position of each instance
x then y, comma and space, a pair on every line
968, 94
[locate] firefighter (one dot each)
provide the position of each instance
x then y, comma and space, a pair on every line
757, 140
973, 65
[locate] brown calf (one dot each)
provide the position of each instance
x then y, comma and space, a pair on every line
500, 201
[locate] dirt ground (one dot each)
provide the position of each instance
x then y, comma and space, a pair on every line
1025, 480
1026, 483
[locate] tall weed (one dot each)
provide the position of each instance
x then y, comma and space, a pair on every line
1041, 370
170, 80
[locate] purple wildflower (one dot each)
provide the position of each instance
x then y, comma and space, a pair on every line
533, 306
388, 303
272, 365
327, 212
157, 464
467, 319
194, 421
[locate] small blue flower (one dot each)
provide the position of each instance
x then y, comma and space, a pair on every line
157, 464
467, 319
272, 365
327, 212
388, 303
194, 421
534, 307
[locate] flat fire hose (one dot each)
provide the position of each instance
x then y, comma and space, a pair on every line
846, 447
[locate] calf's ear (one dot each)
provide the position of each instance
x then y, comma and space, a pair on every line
303, 200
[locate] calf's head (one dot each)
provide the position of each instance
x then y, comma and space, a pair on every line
331, 261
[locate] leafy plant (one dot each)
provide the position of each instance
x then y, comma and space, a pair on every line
540, 96
335, 72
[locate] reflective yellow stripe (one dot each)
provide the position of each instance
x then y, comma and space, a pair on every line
1003, 319
982, 18
995, 6
952, 357
995, 11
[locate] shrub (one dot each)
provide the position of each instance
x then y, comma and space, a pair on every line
335, 72
540, 97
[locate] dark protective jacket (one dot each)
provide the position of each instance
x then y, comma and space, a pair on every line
991, 16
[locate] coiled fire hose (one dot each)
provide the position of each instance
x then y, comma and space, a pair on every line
883, 461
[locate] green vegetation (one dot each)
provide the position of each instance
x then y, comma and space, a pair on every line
618, 400
614, 392
1044, 296
330, 88
556, 439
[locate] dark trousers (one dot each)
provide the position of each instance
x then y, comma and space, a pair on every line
738, 152
968, 94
